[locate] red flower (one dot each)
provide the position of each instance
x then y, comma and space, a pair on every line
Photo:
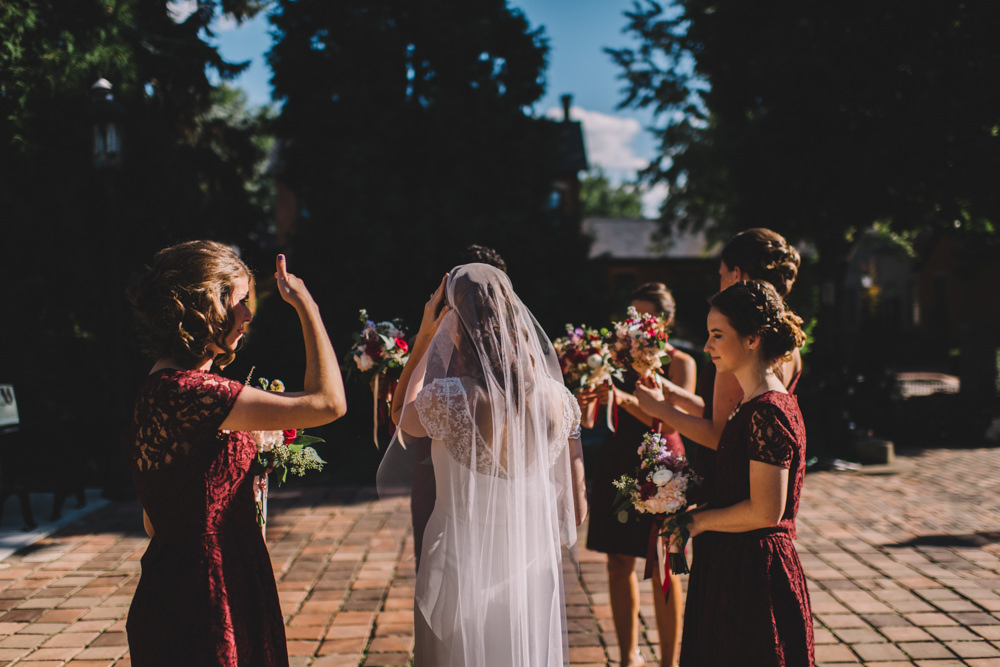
290, 435
647, 490
401, 344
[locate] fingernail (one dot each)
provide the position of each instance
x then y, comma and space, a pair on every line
281, 256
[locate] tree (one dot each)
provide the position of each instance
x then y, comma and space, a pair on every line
73, 235
601, 199
819, 119
410, 139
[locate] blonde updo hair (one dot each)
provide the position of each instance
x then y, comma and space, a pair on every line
765, 255
754, 308
183, 302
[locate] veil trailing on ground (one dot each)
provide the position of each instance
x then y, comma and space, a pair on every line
489, 393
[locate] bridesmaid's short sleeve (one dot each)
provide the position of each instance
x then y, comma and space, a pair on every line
772, 440
202, 401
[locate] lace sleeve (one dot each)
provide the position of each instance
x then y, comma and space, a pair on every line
771, 438
440, 406
443, 408
204, 400
571, 415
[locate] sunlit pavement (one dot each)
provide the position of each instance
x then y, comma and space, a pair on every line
903, 566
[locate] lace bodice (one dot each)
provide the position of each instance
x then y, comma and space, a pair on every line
176, 411
445, 413
768, 429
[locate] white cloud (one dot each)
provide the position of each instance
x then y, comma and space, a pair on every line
179, 10
609, 139
610, 143
652, 200
225, 22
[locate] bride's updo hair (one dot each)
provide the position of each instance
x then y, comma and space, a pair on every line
754, 308
765, 255
183, 302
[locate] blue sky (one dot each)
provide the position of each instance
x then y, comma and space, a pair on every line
577, 30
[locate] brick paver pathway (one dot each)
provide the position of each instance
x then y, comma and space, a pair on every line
904, 569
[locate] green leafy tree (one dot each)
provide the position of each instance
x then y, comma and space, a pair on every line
818, 119
601, 199
411, 138
407, 135
73, 234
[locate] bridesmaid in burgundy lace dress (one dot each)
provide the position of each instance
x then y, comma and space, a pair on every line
747, 601
753, 254
207, 595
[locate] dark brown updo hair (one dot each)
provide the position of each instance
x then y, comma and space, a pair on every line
183, 302
658, 295
765, 255
754, 308
483, 255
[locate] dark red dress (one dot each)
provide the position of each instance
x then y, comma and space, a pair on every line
207, 595
747, 601
616, 457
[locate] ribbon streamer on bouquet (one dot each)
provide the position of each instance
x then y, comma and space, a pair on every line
260, 496
611, 408
596, 411
656, 559
663, 564
375, 410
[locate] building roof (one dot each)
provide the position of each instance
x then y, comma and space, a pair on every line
635, 239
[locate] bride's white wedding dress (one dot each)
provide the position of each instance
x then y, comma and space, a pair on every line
489, 591
488, 392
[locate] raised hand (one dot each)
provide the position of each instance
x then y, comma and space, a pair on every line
290, 287
434, 311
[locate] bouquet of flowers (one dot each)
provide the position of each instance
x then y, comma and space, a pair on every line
586, 364
659, 486
379, 348
379, 351
281, 452
639, 342
584, 358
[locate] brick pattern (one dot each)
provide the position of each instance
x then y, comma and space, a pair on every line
904, 570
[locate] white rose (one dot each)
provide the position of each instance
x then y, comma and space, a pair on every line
595, 361
364, 362
268, 440
662, 476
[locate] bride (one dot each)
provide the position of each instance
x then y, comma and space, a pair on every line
483, 383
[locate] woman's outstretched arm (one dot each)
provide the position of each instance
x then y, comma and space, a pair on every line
702, 430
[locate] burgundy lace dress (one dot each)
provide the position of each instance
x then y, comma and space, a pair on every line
207, 595
747, 601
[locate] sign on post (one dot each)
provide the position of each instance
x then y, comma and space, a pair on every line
9, 419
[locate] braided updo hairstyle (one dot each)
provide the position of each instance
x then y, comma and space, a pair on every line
183, 302
754, 308
765, 255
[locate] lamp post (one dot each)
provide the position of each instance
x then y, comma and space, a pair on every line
107, 121
107, 117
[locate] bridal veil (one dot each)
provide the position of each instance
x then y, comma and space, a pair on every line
490, 395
